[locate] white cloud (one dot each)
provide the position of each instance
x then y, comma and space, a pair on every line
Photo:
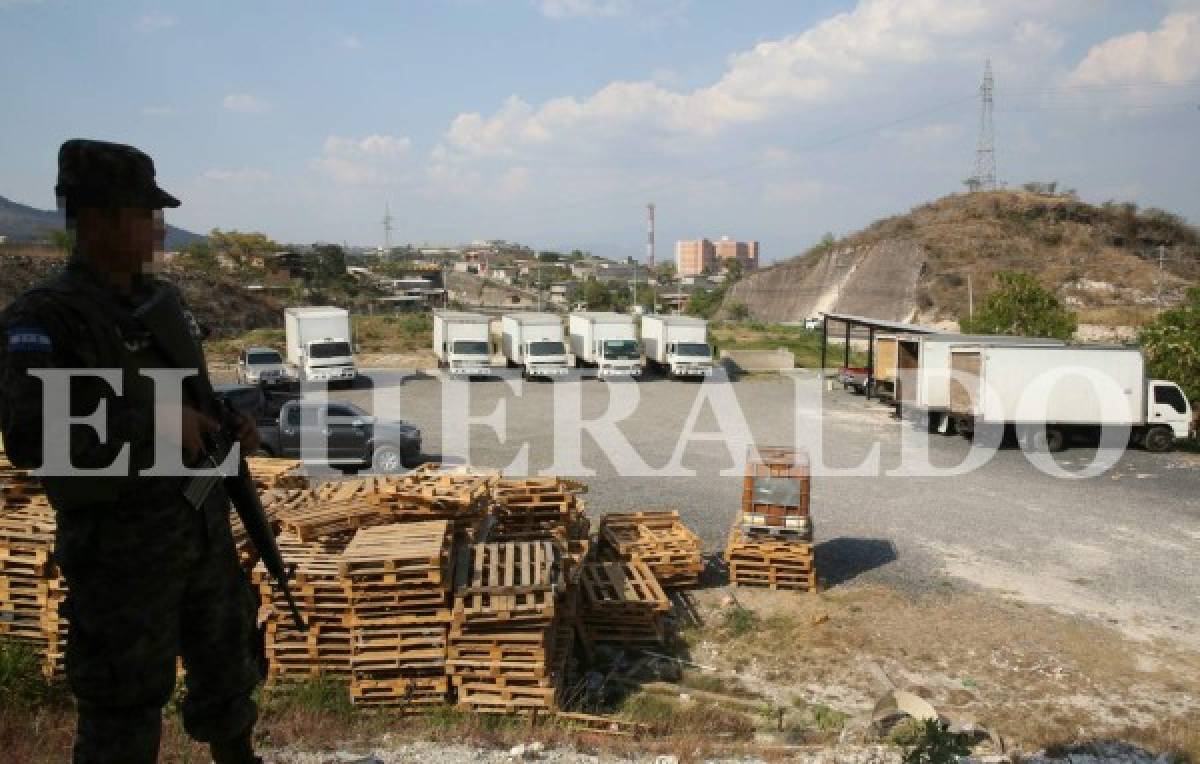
819, 66
245, 103
238, 176
155, 21
1170, 53
157, 111
792, 192
566, 9
351, 42
373, 160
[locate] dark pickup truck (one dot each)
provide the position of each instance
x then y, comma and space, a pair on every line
340, 434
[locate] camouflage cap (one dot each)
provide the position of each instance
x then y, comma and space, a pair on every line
108, 174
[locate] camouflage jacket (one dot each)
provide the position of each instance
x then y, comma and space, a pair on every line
71, 323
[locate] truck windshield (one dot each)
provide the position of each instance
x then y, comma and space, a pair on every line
621, 350
694, 349
471, 347
546, 348
263, 358
328, 349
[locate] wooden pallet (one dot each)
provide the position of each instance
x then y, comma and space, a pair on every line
270, 473
538, 508
770, 561
621, 604
32, 590
660, 539
406, 694
499, 583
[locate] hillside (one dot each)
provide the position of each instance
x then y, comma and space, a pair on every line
217, 301
1101, 259
21, 223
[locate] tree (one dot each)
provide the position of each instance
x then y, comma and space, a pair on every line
1020, 306
596, 295
739, 312
1171, 344
734, 270
549, 257
327, 263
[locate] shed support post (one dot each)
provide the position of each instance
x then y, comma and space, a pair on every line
870, 360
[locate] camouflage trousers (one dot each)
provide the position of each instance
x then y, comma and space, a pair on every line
147, 585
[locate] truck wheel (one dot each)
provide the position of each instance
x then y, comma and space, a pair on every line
1048, 440
387, 459
1158, 440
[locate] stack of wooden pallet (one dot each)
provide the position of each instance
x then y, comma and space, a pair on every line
538, 508
659, 539
461, 499
508, 646
271, 473
31, 589
277, 503
320, 592
772, 544
622, 605
397, 578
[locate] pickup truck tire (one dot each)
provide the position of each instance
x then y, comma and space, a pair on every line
387, 459
1158, 440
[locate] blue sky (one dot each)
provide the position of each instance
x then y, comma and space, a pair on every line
554, 121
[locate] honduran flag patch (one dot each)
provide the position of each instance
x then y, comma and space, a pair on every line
29, 339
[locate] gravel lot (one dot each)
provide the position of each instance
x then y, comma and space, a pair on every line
1121, 545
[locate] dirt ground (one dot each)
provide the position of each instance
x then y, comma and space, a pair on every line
1035, 677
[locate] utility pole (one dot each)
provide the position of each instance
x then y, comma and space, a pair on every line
1162, 255
650, 257
387, 228
539, 286
633, 288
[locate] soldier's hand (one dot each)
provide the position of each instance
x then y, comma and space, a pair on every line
195, 427
246, 432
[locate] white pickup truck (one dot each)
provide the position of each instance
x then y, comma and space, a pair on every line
534, 342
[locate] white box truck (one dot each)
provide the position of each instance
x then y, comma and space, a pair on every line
318, 344
922, 373
1048, 393
677, 345
462, 343
606, 342
534, 342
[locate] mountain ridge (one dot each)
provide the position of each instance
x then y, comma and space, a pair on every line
21, 223
929, 264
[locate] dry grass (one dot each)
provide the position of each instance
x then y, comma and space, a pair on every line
1034, 676
1058, 239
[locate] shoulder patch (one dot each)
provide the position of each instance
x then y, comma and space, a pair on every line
29, 339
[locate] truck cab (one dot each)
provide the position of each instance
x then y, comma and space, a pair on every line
327, 360
544, 358
1169, 416
473, 357
619, 358
690, 359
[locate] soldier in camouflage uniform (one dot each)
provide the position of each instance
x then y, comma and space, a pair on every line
150, 577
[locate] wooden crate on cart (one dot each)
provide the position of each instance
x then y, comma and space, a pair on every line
776, 492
